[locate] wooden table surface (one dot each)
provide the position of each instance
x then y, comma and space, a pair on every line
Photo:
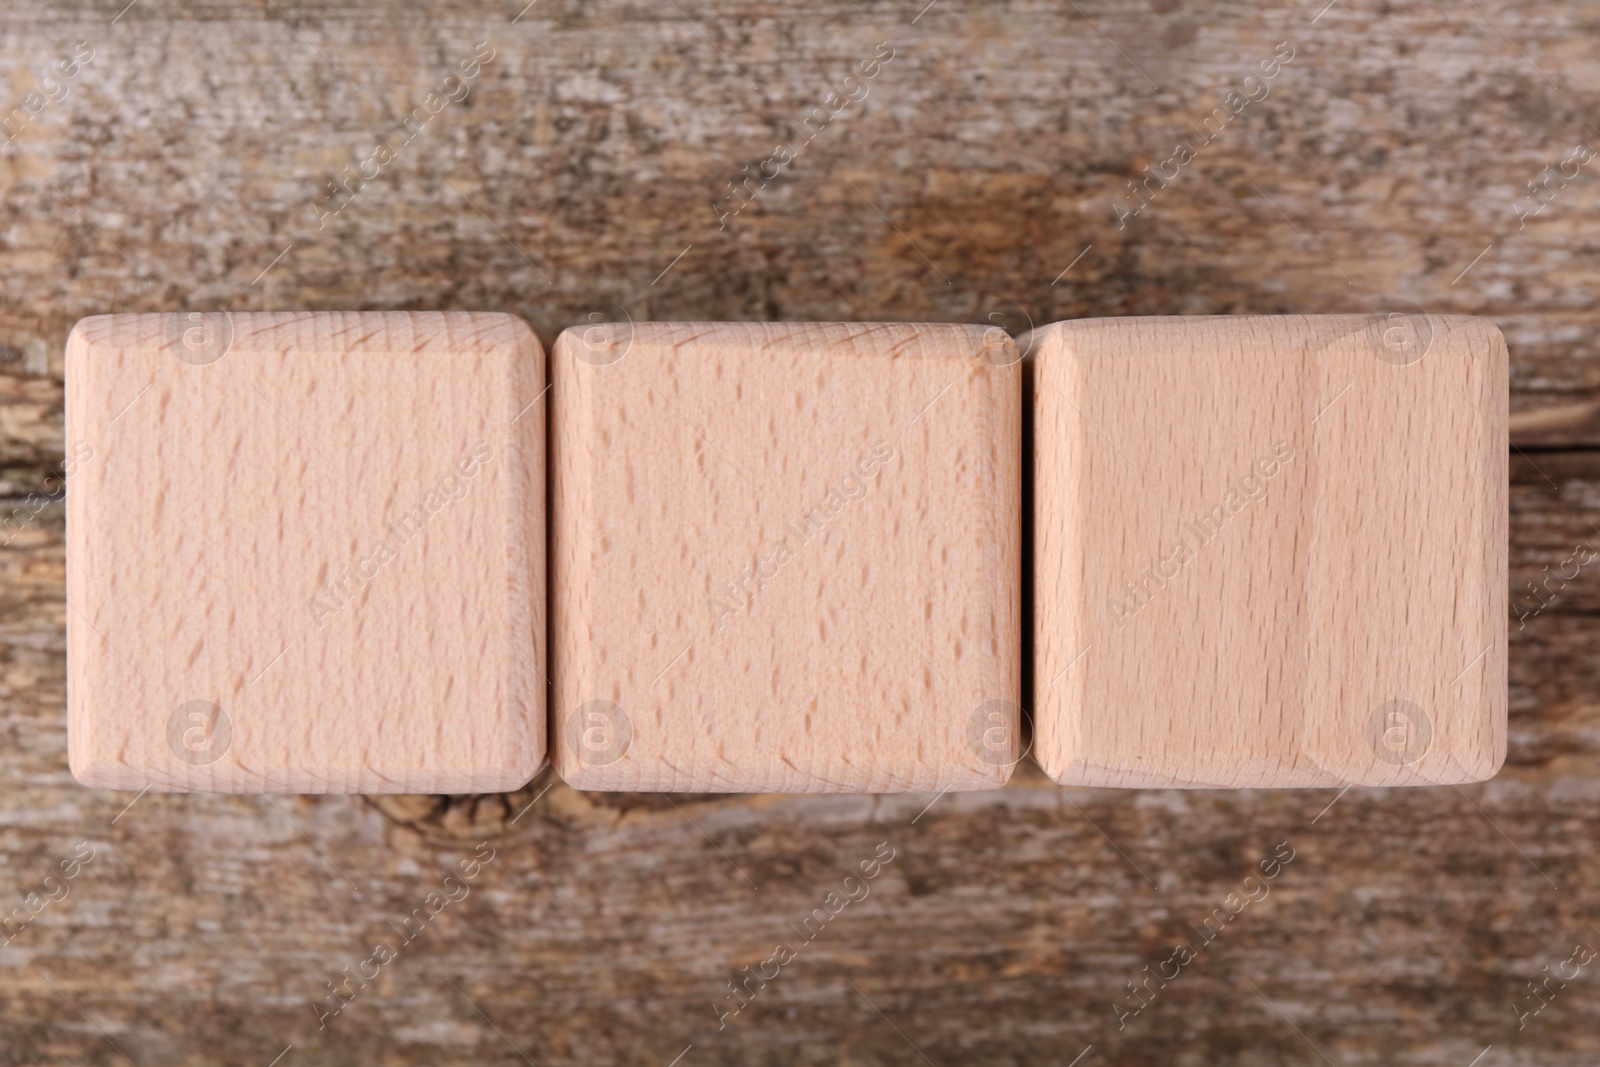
976, 176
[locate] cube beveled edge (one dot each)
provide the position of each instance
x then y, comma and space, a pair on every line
98, 771
603, 343
600, 779
246, 330
1055, 339
1064, 772
92, 758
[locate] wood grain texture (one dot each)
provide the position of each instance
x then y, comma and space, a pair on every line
1269, 551
306, 552
786, 557
995, 140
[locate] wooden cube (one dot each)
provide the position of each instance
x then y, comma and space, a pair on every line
1270, 551
306, 553
786, 557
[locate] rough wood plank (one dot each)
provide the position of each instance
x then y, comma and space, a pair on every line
994, 142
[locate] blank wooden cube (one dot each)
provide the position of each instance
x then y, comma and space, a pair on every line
1270, 551
786, 557
307, 551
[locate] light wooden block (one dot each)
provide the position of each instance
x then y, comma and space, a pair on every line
786, 557
308, 553
1270, 551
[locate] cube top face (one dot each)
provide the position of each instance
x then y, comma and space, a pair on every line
1270, 551
306, 552
787, 557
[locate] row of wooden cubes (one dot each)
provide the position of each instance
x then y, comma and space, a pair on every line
308, 552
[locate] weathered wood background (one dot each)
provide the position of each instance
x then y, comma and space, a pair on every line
1383, 169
